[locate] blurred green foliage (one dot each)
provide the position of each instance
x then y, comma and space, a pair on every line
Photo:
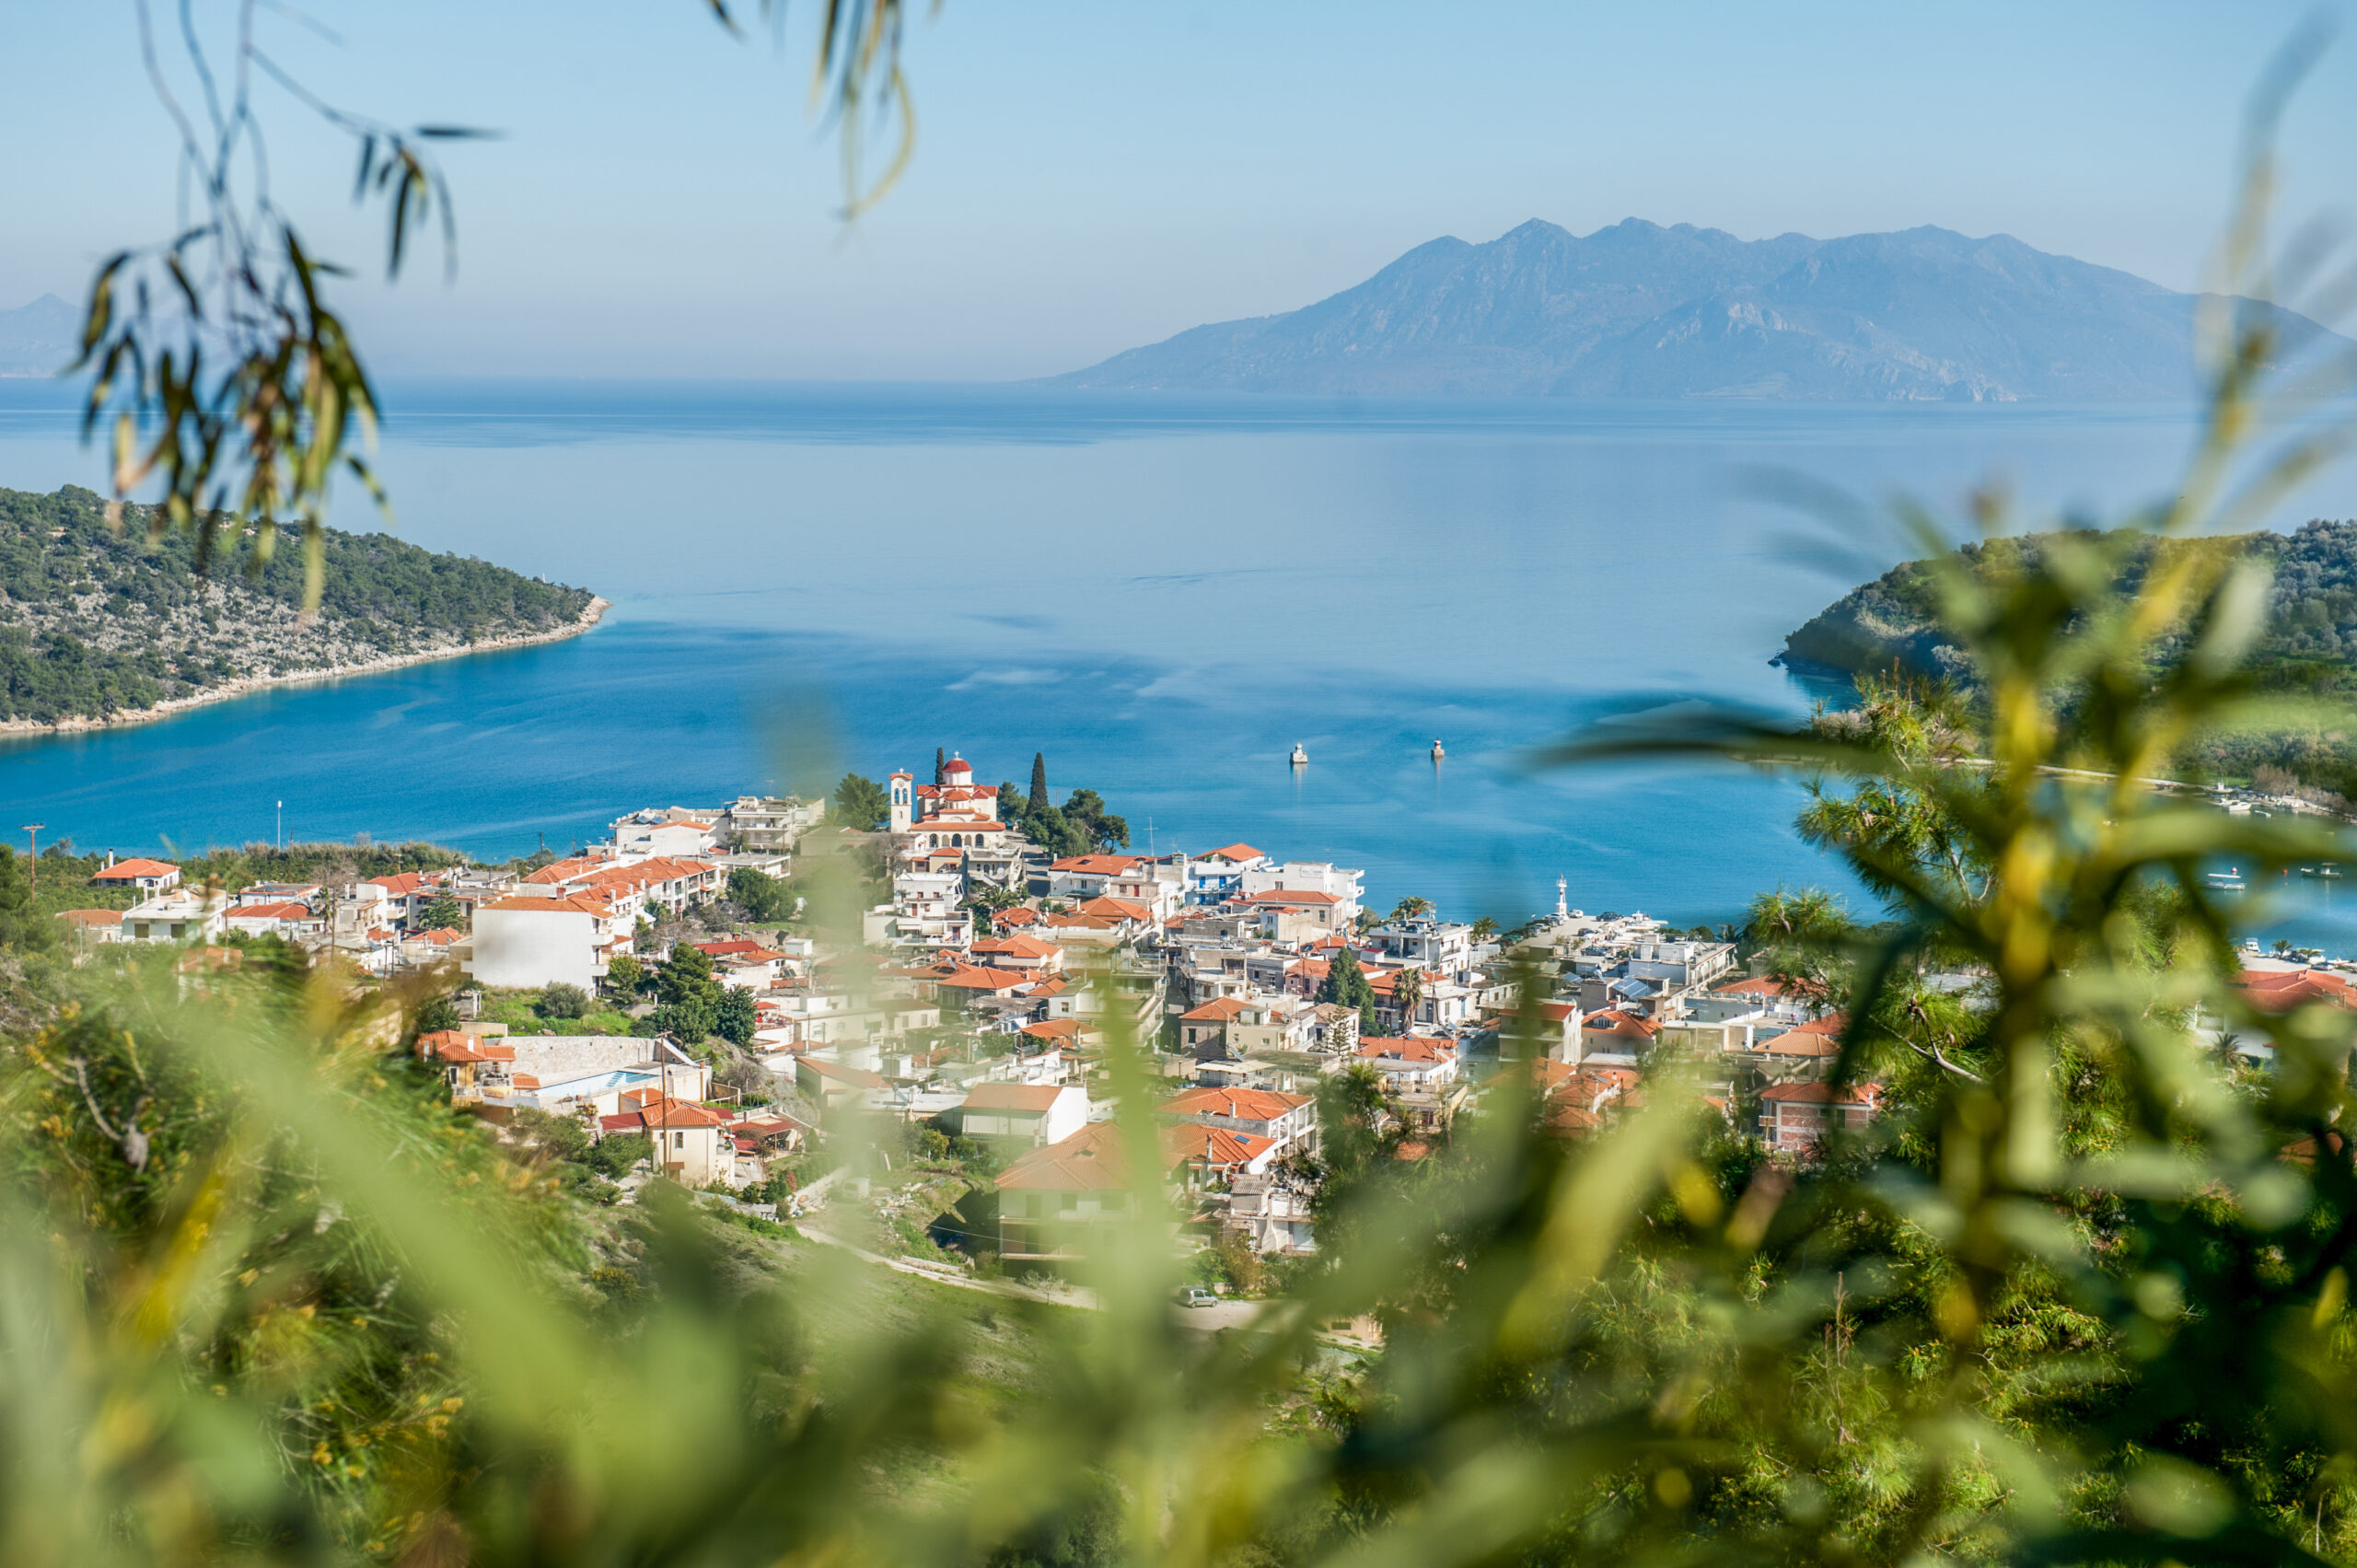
2080, 1294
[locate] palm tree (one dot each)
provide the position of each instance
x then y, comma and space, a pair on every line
1412, 907
1409, 990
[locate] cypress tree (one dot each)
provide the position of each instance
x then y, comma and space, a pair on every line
1039, 801
940, 767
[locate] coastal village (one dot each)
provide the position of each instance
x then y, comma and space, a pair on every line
977, 998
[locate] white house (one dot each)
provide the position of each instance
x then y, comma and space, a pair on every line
148, 875
1296, 915
1288, 1120
692, 1143
666, 833
924, 913
1050, 1197
1796, 1118
1437, 945
1215, 876
527, 941
630, 885
1305, 875
1023, 1114
1411, 1061
288, 918
182, 915
1086, 875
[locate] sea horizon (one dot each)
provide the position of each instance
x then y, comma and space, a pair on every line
1165, 593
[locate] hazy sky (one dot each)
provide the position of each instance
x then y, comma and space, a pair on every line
1094, 175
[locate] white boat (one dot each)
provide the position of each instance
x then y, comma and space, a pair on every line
1300, 757
2227, 881
1437, 752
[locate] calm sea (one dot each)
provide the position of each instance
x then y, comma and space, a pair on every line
1165, 594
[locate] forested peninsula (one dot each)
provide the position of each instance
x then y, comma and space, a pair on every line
102, 624
2309, 644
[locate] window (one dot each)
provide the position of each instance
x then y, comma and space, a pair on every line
678, 1139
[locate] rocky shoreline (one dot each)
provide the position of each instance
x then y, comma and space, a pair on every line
246, 686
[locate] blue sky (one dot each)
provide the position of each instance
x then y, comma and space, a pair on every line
1093, 175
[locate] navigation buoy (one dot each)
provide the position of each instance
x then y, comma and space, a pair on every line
1438, 752
1300, 757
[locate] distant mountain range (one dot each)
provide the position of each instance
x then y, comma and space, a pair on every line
39, 339
1637, 310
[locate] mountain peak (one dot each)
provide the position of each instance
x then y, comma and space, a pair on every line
1638, 310
39, 339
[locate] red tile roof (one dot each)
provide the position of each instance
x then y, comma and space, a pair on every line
1116, 909
449, 1045
665, 1116
2279, 991
1231, 852
1216, 1146
1219, 1010
1823, 1093
1616, 1024
1017, 946
1243, 1104
1293, 896
272, 911
1819, 1037
126, 870
974, 977
1039, 1098
524, 904
661, 868
859, 1076
1099, 865
1553, 1012
565, 870
1091, 1160
1409, 1048
91, 917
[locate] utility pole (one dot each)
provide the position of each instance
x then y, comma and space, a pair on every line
34, 828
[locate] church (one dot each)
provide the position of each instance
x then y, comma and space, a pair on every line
953, 825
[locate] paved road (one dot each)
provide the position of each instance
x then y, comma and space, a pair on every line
1226, 1315
1202, 1320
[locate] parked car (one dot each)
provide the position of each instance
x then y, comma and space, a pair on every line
1194, 1296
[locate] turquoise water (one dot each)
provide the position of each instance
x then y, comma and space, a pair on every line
1165, 594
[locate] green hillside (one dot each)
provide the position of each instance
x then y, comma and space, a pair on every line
2310, 643
98, 622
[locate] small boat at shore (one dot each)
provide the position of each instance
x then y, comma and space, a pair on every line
2324, 873
2227, 881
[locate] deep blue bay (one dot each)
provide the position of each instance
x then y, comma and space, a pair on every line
1165, 593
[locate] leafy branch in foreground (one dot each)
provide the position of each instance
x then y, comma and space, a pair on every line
2078, 1295
214, 359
